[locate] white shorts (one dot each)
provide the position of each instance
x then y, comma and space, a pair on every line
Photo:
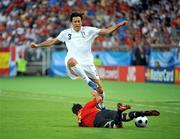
90, 71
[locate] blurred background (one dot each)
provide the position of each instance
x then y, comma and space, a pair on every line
149, 46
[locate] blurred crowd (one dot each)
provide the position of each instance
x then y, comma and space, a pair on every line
152, 23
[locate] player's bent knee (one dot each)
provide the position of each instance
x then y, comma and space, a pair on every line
71, 62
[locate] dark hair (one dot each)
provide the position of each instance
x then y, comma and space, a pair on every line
76, 14
76, 108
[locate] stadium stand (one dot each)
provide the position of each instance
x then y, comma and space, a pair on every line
152, 24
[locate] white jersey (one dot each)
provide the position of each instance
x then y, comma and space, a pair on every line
79, 44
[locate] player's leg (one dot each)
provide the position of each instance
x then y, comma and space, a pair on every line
77, 70
101, 92
127, 116
134, 114
120, 109
151, 113
108, 119
100, 88
119, 115
90, 71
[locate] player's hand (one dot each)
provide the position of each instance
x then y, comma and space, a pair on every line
34, 45
94, 93
97, 96
125, 22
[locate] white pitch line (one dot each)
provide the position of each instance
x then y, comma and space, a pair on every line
35, 97
60, 99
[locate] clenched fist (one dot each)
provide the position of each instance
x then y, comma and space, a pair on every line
34, 45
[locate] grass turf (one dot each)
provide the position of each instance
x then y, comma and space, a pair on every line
40, 108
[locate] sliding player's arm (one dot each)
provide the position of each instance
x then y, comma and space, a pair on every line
47, 43
97, 96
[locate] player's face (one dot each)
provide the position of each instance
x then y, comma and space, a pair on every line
76, 23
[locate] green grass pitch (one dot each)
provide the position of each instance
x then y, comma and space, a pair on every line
40, 108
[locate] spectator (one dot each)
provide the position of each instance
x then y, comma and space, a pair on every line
24, 20
97, 61
157, 64
21, 66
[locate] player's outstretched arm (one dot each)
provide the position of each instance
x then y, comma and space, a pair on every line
97, 96
46, 43
109, 30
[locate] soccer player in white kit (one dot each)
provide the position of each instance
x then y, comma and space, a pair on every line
79, 59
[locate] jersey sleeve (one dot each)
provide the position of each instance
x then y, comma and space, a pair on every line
93, 31
61, 36
91, 103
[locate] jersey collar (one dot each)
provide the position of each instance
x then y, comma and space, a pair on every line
76, 31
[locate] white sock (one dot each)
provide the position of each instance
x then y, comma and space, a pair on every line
103, 95
101, 104
80, 72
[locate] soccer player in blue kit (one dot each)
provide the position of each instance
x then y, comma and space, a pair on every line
79, 59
